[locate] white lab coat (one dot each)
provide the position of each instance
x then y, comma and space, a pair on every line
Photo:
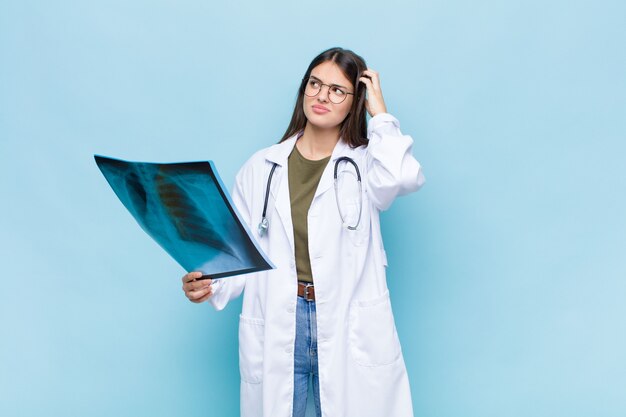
361, 367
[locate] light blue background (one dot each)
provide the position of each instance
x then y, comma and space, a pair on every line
507, 271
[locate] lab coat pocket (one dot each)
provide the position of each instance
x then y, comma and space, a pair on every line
372, 336
251, 338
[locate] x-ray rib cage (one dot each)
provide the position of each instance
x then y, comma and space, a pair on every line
187, 210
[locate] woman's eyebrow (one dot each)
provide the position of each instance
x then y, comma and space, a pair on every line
336, 85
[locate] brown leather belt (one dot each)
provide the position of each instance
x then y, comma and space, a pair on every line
306, 291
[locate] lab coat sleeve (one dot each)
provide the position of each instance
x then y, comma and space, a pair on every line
392, 170
226, 289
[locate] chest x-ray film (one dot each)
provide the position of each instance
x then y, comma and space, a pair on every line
187, 210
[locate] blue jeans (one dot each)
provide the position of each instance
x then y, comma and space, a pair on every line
305, 358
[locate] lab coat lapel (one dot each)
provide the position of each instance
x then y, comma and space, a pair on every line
279, 189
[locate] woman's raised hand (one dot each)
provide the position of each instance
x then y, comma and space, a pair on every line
375, 103
196, 290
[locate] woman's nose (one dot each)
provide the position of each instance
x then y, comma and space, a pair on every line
323, 94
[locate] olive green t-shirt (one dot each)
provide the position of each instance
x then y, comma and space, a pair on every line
304, 176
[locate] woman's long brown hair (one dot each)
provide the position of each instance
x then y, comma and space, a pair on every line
353, 129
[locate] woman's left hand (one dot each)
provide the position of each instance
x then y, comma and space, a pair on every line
374, 103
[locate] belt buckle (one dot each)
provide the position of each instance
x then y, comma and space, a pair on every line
306, 291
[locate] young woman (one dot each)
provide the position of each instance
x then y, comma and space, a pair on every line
325, 310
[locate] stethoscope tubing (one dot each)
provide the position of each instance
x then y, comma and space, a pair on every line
358, 178
264, 224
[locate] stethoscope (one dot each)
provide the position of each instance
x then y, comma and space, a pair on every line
265, 224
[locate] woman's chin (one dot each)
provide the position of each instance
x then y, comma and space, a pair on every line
323, 124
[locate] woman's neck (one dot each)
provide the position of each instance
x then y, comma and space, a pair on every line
317, 143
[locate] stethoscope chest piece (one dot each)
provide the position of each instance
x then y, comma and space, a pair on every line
263, 226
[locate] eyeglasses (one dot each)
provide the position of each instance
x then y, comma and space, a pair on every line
336, 94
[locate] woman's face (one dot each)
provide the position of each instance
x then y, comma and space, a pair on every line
320, 110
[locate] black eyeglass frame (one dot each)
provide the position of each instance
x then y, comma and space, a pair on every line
307, 80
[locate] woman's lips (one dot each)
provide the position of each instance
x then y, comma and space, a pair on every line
320, 109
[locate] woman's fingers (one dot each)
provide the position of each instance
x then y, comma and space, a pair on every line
203, 299
373, 75
195, 289
194, 285
375, 103
367, 81
190, 287
192, 276
198, 296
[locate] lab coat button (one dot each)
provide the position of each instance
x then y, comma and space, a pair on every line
289, 349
